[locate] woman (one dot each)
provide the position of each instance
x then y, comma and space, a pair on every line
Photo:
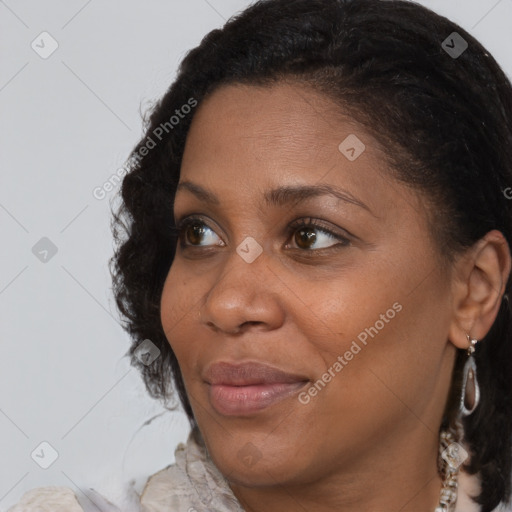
315, 234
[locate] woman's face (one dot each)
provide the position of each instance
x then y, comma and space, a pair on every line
355, 307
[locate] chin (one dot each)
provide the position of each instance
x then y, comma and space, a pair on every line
261, 474
243, 463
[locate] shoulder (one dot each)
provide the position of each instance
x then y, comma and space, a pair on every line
63, 499
192, 482
48, 499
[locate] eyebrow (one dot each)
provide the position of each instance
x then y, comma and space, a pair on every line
279, 196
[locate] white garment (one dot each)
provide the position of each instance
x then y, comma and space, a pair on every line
192, 484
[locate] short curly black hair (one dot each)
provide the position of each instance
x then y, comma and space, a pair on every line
444, 121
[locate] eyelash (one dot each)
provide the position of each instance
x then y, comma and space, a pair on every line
309, 222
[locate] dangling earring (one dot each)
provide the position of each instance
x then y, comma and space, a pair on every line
470, 394
451, 453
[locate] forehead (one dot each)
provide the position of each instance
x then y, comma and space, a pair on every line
283, 116
245, 140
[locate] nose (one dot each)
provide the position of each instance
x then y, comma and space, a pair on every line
244, 294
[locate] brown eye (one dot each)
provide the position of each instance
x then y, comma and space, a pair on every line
193, 233
304, 237
192, 230
307, 233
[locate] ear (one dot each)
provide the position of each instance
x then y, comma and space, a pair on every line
479, 284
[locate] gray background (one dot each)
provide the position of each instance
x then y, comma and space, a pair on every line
68, 123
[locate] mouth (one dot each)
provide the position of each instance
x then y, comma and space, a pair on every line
245, 389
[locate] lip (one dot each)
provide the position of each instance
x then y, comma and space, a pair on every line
244, 389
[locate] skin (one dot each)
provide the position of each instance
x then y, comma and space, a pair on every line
368, 440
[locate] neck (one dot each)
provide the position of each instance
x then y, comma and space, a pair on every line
388, 479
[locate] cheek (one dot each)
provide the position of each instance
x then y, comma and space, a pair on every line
178, 309
384, 334
356, 305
